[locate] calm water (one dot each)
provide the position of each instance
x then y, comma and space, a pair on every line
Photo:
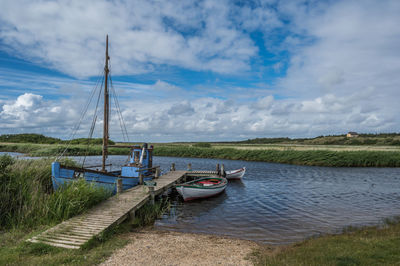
279, 204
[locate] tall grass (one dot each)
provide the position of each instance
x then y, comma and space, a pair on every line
363, 246
27, 198
32, 149
310, 157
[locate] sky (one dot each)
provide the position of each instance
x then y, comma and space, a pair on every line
209, 70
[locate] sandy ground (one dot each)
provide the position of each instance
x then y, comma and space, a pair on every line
152, 247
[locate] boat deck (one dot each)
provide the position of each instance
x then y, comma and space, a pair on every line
76, 231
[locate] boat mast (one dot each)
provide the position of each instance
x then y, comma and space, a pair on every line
106, 111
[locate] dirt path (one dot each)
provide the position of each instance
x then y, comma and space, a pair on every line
152, 247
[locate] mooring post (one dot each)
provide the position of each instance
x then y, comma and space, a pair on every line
189, 167
172, 167
152, 194
119, 185
140, 178
157, 174
218, 172
223, 170
132, 216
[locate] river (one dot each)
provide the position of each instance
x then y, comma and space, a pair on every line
281, 204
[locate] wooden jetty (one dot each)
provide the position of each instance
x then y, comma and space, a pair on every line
75, 232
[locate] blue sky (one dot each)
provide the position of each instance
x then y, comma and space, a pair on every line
203, 70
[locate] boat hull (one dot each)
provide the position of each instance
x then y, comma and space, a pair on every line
62, 175
190, 191
235, 174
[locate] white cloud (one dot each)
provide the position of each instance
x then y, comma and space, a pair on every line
70, 35
343, 66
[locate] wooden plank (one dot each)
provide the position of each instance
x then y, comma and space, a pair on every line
78, 230
67, 241
54, 244
58, 235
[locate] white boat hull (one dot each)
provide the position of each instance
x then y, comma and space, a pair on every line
235, 174
191, 193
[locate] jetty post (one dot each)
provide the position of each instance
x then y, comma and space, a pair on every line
119, 185
172, 167
140, 178
158, 173
152, 194
222, 170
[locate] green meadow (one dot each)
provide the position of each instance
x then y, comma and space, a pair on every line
320, 156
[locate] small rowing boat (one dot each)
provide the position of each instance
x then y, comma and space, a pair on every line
235, 174
202, 188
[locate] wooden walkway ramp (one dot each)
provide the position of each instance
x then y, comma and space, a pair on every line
75, 232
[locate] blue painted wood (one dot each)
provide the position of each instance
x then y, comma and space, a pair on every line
129, 173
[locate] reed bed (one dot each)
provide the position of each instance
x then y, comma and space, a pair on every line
288, 155
27, 199
42, 150
310, 157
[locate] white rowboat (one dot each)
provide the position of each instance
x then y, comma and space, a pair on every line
235, 174
202, 188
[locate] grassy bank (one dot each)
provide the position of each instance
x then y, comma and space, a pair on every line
15, 251
368, 246
27, 199
309, 157
41, 150
28, 205
319, 157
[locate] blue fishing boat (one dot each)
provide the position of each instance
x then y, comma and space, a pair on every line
139, 167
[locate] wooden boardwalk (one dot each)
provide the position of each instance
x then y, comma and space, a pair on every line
75, 232
201, 173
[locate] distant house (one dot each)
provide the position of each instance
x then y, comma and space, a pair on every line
352, 135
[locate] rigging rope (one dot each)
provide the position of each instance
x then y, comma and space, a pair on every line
93, 123
77, 126
120, 117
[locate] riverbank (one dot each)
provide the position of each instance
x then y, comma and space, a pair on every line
343, 156
154, 247
366, 246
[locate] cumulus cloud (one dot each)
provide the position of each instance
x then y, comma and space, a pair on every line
32, 113
69, 35
184, 109
339, 69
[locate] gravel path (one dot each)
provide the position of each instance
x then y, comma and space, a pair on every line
152, 247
